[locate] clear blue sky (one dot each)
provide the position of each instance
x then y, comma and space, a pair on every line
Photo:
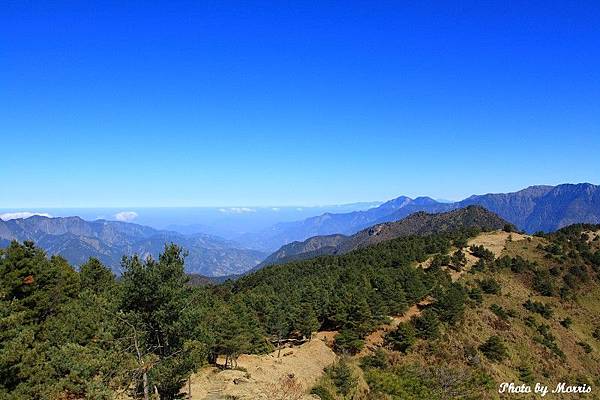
225, 103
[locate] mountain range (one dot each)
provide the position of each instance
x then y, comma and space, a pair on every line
77, 240
419, 223
536, 208
545, 208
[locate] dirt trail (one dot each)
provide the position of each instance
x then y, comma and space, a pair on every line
493, 241
375, 339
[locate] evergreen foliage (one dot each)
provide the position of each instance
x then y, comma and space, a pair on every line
402, 338
494, 349
85, 334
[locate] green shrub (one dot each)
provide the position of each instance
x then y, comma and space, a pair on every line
427, 325
403, 383
509, 228
348, 341
343, 377
450, 303
432, 382
543, 284
567, 322
402, 338
476, 295
439, 260
322, 392
479, 266
460, 242
548, 340
544, 310
499, 311
586, 347
490, 286
530, 321
494, 349
482, 253
458, 260
596, 333
378, 359
525, 374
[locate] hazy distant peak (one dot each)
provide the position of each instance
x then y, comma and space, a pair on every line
535, 190
424, 200
398, 202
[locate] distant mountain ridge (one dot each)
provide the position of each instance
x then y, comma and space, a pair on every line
535, 208
545, 208
77, 240
327, 224
419, 223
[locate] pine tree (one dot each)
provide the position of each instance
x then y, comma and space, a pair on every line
402, 338
308, 322
427, 325
153, 301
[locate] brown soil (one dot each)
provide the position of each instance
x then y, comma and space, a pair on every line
258, 377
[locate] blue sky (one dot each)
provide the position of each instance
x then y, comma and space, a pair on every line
241, 103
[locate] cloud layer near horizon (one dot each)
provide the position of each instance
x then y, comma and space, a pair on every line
237, 210
22, 214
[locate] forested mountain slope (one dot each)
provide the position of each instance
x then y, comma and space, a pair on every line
419, 223
532, 209
530, 315
522, 309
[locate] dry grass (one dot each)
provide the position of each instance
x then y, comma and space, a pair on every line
481, 323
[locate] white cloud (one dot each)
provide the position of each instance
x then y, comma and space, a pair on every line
275, 208
126, 216
22, 214
237, 210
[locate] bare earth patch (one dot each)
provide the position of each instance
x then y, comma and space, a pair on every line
268, 376
592, 235
495, 241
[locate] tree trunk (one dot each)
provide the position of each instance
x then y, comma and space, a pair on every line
146, 394
190, 388
278, 347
